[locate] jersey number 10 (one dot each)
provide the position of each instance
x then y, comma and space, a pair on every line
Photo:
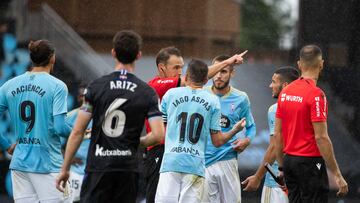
195, 118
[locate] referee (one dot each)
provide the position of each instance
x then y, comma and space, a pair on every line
301, 134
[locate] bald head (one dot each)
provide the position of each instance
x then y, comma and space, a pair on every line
310, 57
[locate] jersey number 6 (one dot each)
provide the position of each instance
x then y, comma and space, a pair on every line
114, 123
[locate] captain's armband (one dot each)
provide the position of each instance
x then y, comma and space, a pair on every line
87, 107
214, 131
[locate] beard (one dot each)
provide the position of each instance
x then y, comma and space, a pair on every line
222, 86
276, 94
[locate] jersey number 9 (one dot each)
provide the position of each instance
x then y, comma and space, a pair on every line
27, 114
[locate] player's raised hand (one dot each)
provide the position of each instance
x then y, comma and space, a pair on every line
343, 186
240, 125
237, 58
61, 180
251, 183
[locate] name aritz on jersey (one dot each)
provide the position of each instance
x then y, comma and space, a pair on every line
28, 88
127, 85
187, 150
116, 152
199, 100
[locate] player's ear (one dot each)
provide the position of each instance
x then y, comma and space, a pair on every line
299, 65
52, 59
232, 72
161, 68
205, 81
113, 54
284, 85
138, 56
321, 64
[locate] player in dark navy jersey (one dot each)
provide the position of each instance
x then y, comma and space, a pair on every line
118, 103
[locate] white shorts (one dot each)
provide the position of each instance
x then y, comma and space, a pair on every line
75, 181
35, 187
176, 187
222, 182
275, 194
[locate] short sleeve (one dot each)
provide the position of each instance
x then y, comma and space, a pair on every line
163, 107
60, 99
271, 120
153, 105
3, 102
215, 116
88, 97
318, 106
246, 112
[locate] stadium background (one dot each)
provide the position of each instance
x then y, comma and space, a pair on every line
82, 32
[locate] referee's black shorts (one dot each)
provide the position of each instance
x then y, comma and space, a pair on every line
306, 179
109, 187
152, 165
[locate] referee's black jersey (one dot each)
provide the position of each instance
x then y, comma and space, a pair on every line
120, 102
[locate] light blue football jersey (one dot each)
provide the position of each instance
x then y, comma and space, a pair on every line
33, 99
82, 152
269, 180
235, 105
190, 115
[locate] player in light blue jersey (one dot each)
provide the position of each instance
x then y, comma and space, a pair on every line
272, 192
192, 115
77, 170
37, 105
222, 181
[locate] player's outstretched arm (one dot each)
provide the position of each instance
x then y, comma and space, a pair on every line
219, 138
237, 59
157, 133
252, 183
327, 152
72, 146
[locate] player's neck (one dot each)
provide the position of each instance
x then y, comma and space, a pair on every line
37, 69
129, 67
221, 91
194, 85
313, 75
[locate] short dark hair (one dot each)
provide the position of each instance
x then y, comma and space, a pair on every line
310, 55
287, 73
127, 45
165, 53
221, 58
40, 52
197, 71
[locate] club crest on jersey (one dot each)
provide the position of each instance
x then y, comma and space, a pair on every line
224, 121
123, 75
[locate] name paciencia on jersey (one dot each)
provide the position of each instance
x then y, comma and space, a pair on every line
28, 88
126, 85
199, 100
116, 152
